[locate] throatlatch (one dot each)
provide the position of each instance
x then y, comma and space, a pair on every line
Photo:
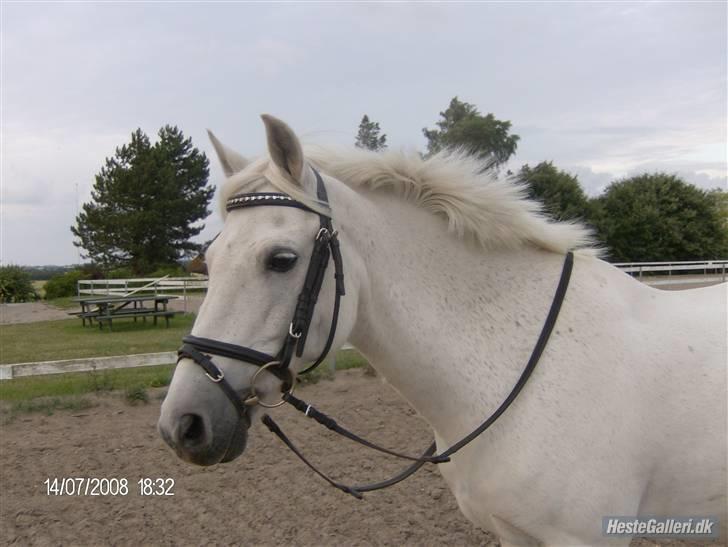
326, 247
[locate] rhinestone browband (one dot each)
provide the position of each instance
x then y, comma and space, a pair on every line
264, 198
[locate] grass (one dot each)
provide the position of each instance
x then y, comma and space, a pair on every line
74, 384
67, 339
136, 394
48, 406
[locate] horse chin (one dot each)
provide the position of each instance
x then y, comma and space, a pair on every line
237, 443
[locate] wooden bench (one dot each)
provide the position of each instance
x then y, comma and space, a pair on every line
85, 315
105, 309
121, 314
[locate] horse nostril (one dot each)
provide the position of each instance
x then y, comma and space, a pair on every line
191, 430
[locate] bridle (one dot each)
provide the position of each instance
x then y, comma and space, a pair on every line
326, 246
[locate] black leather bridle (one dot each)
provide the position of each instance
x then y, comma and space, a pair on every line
326, 246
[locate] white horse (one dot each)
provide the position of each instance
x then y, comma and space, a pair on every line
449, 276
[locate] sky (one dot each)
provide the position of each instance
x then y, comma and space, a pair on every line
603, 89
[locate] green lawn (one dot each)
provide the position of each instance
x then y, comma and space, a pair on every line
67, 339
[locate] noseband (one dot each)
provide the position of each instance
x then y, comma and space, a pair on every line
326, 246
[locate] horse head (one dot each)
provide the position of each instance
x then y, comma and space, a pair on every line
260, 321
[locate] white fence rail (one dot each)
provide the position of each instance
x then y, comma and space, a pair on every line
121, 287
661, 273
19, 370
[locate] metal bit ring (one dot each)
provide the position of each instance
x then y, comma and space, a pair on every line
253, 399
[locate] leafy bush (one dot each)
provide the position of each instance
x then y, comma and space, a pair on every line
16, 285
64, 284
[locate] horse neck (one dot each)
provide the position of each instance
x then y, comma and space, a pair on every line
449, 325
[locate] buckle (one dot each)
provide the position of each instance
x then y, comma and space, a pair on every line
218, 379
292, 334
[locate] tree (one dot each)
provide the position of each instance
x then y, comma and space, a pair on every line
145, 202
368, 136
560, 192
462, 126
659, 217
16, 285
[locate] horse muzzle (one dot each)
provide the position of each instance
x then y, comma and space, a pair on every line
200, 439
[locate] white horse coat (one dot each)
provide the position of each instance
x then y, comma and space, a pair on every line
625, 414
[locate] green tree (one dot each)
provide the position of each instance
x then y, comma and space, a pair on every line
659, 217
368, 136
560, 192
64, 284
145, 203
16, 285
462, 126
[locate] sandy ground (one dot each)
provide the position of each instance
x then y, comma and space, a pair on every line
28, 312
266, 497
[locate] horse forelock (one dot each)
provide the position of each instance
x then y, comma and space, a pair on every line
494, 211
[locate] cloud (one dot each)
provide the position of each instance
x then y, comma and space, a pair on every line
603, 90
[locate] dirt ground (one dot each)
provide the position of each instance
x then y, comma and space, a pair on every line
267, 497
28, 312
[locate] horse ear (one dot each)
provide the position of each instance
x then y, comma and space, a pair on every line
284, 147
231, 161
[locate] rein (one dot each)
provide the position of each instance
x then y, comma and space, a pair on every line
326, 246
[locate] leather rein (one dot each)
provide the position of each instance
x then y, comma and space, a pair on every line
326, 247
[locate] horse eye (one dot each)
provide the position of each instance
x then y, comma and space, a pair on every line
282, 261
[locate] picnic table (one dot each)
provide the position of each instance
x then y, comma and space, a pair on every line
106, 309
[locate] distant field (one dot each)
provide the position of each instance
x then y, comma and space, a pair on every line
39, 287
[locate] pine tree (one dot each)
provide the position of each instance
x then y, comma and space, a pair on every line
145, 203
368, 136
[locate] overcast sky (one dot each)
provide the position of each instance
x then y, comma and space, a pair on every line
603, 90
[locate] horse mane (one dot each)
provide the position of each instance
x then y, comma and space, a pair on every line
462, 189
